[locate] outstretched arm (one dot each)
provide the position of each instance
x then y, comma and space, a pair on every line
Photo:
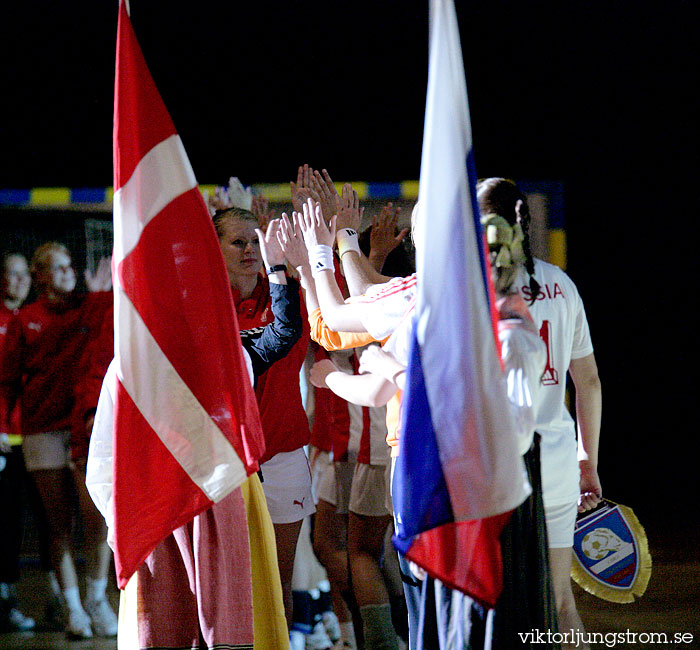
378, 362
360, 275
589, 401
364, 390
291, 240
277, 338
319, 238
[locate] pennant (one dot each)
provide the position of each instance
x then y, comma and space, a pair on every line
611, 553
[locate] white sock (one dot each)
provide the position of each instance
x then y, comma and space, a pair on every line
72, 596
95, 589
347, 634
53, 583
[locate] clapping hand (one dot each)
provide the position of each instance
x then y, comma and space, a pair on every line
383, 238
291, 241
349, 211
258, 207
314, 227
328, 196
303, 189
270, 248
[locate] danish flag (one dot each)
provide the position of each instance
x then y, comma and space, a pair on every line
186, 425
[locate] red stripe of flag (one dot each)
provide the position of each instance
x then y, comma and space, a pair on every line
164, 275
175, 279
134, 93
147, 479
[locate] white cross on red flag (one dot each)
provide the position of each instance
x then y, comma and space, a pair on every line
186, 425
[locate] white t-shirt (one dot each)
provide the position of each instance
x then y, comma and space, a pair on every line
523, 356
561, 320
367, 439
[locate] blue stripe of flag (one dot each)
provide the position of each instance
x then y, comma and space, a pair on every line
423, 500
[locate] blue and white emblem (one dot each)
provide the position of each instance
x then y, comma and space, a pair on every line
612, 558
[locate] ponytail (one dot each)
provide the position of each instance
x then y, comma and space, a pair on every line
503, 197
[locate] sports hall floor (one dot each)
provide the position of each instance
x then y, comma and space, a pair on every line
671, 604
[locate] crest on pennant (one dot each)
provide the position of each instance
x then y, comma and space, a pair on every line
611, 552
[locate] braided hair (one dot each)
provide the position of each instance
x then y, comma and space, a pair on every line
503, 197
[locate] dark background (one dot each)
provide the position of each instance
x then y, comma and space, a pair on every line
599, 95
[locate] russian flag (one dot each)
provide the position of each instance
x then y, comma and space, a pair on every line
459, 474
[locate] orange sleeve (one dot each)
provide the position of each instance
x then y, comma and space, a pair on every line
393, 423
331, 340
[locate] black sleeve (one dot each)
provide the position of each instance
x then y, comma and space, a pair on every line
277, 338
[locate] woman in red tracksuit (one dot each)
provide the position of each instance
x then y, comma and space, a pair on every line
286, 478
45, 344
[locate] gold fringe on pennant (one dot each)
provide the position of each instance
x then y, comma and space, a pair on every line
615, 595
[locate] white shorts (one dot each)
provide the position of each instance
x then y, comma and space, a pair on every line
336, 486
286, 481
320, 462
46, 450
561, 520
368, 495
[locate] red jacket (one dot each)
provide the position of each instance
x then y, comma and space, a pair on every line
98, 355
12, 422
282, 414
43, 358
331, 429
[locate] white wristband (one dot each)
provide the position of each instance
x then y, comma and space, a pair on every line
321, 259
347, 241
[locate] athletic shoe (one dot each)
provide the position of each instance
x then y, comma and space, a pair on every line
343, 645
297, 640
330, 622
15, 621
78, 626
55, 613
318, 639
104, 620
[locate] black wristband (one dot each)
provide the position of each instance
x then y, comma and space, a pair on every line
276, 267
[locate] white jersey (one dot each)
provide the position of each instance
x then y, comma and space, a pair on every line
561, 320
367, 425
386, 305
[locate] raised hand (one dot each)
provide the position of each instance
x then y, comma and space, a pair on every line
328, 196
383, 238
314, 227
302, 190
349, 211
270, 248
258, 207
219, 201
101, 279
291, 241
234, 195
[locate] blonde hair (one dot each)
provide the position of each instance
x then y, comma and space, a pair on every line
221, 217
41, 260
